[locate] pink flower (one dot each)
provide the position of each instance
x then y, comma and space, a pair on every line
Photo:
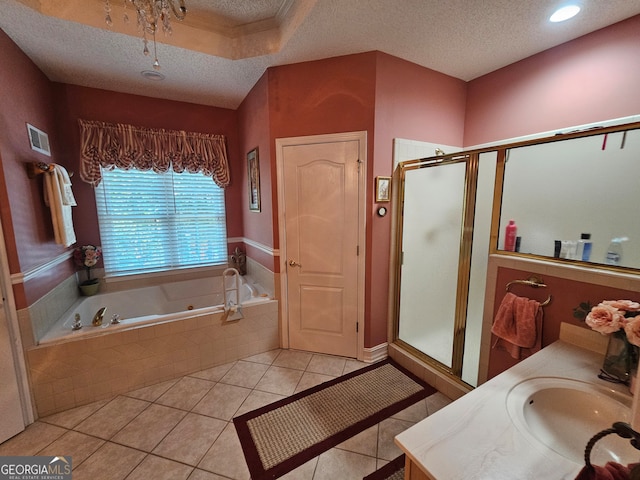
605, 319
626, 305
632, 329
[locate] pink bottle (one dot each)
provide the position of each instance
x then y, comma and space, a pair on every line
510, 237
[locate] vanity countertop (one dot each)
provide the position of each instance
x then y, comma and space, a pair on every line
474, 438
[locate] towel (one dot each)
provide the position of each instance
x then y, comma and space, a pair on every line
518, 326
58, 196
611, 471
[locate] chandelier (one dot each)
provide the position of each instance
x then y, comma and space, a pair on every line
151, 15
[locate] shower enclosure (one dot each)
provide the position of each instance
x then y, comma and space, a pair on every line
443, 237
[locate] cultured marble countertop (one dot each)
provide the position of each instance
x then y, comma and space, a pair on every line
474, 438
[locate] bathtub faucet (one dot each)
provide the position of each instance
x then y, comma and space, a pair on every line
97, 318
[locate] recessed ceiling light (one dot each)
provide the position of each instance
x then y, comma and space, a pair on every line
152, 75
564, 13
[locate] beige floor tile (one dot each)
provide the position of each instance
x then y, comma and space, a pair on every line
310, 379
190, 439
303, 472
213, 374
152, 392
33, 439
158, 468
381, 463
415, 413
222, 401
111, 461
257, 399
388, 429
293, 359
344, 465
76, 444
186, 393
245, 374
147, 430
204, 475
437, 401
282, 381
107, 421
71, 418
365, 442
225, 456
353, 365
327, 365
267, 357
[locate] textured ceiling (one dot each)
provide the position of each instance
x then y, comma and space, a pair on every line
224, 46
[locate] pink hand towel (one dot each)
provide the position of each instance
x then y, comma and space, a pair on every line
518, 325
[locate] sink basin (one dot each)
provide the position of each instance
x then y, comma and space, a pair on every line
562, 415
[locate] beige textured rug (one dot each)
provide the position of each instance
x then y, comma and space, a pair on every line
285, 434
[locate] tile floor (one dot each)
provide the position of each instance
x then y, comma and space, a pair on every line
183, 429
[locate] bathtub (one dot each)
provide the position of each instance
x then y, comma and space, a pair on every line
151, 305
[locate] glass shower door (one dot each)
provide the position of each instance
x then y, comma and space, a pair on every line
432, 227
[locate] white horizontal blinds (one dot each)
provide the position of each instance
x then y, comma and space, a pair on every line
160, 221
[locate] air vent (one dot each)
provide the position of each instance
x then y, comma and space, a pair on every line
39, 140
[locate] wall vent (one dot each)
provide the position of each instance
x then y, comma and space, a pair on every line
39, 140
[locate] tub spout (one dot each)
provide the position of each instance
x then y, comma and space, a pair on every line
97, 318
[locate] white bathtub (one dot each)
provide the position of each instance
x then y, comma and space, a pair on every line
150, 305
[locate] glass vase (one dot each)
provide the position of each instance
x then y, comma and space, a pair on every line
621, 358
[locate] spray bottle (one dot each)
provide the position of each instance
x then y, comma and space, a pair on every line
614, 252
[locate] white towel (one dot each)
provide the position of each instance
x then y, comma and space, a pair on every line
59, 198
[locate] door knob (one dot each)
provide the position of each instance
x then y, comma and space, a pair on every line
293, 263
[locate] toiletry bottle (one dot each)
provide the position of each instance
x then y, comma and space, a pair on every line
584, 247
614, 252
510, 236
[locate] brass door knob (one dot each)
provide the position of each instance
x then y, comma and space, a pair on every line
293, 263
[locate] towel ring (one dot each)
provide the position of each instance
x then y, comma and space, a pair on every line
534, 282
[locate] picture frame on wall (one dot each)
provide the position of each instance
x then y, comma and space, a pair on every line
253, 173
383, 189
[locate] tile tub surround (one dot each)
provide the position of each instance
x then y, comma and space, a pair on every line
181, 429
75, 373
474, 436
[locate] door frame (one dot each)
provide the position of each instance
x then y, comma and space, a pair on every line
281, 143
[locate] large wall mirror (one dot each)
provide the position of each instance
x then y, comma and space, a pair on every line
557, 191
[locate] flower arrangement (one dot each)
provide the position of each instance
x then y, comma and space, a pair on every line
611, 316
87, 257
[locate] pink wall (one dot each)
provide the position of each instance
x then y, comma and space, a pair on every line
566, 295
593, 78
27, 97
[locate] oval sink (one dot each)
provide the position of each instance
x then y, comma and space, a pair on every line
563, 414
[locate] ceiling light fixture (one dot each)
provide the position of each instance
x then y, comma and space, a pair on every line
564, 13
151, 15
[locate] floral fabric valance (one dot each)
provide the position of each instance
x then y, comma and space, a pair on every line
110, 145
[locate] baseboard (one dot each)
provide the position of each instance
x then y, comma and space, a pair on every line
375, 354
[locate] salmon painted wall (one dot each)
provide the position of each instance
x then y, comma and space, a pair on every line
415, 103
567, 294
75, 102
27, 97
253, 128
590, 79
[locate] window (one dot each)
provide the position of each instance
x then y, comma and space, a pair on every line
153, 222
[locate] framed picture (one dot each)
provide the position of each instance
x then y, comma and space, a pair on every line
253, 172
383, 189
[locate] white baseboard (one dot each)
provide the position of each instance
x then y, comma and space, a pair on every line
375, 354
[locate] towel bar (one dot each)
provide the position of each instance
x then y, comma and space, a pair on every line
37, 168
534, 282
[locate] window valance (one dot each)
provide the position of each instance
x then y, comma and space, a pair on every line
111, 145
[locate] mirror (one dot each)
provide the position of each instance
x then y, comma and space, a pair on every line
557, 191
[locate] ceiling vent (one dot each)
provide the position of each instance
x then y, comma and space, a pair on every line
39, 140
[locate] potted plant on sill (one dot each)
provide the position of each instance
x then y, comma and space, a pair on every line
87, 257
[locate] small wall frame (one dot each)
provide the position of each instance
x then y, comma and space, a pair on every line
383, 189
253, 174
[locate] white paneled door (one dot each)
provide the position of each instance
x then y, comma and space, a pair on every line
321, 190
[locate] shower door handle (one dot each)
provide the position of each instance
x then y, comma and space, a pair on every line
293, 263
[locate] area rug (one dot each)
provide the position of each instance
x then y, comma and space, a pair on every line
285, 434
394, 470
